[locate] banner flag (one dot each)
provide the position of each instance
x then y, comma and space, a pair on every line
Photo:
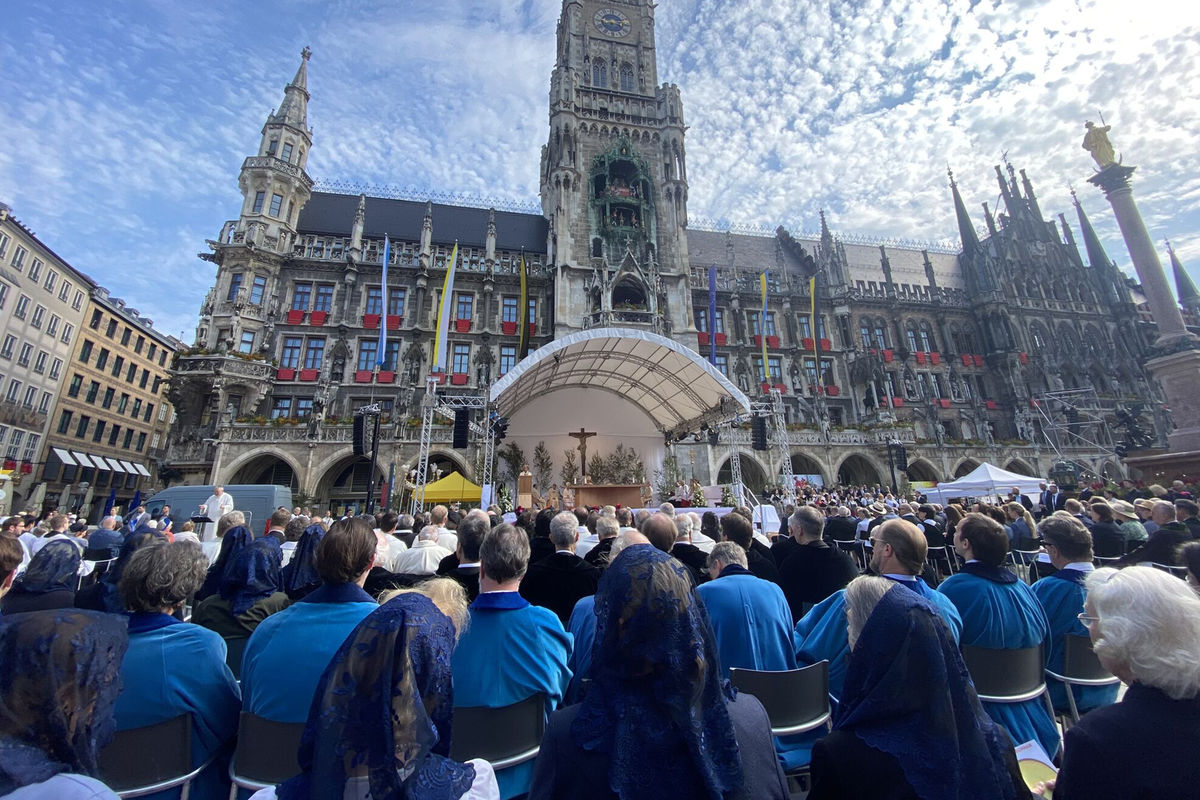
762, 329
381, 348
523, 313
712, 315
443, 321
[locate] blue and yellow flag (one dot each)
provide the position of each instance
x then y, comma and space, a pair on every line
762, 329
440, 344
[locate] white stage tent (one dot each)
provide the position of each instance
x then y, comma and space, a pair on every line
986, 479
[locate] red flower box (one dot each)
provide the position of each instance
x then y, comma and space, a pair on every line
296, 316
533, 329
935, 358
991, 405
766, 387
1023, 358
920, 357
966, 359
874, 352
721, 338
806, 343
897, 402
318, 317
978, 361
393, 322
309, 374
944, 402
386, 376
10, 464
772, 341
362, 376
438, 377
888, 355
26, 468
459, 379
371, 321
832, 391
826, 344
462, 325
757, 341
781, 387
510, 328
285, 374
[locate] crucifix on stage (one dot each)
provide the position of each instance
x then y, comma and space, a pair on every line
582, 436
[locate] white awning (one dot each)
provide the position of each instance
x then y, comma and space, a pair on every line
64, 457
84, 461
130, 468
673, 384
114, 465
141, 470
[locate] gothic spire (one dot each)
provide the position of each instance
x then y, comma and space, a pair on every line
966, 230
1097, 258
1031, 199
1189, 298
294, 108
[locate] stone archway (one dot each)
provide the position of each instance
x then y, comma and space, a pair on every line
344, 484
858, 470
803, 464
269, 467
921, 470
1019, 466
965, 466
754, 474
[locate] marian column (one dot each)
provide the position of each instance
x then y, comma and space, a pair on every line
1176, 363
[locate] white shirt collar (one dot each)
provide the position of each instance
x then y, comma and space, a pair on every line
1080, 566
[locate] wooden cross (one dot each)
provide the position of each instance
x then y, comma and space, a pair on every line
582, 436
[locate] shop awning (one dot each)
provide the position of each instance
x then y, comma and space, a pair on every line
86, 462
114, 465
141, 470
64, 457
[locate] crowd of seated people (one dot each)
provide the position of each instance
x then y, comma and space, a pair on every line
375, 630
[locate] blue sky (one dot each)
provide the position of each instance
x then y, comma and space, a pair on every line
124, 124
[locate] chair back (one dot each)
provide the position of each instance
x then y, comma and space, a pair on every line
153, 757
853, 548
796, 700
1080, 662
1178, 572
504, 736
234, 650
266, 752
1006, 676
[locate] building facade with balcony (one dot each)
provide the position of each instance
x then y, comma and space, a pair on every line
1017, 348
109, 425
42, 304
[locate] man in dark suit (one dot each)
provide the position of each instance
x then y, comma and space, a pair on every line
1015, 496
695, 558
1052, 500
607, 529
1186, 511
814, 570
840, 527
905, 510
1076, 510
1163, 545
560, 579
464, 567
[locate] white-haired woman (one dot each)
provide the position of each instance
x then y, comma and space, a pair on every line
1145, 626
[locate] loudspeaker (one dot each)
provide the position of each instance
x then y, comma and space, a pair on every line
758, 433
360, 435
462, 421
901, 457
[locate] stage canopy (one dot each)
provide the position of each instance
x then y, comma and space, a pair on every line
986, 479
676, 387
454, 487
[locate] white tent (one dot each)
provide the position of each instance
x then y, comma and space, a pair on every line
984, 480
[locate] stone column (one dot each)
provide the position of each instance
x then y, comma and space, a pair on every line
1114, 180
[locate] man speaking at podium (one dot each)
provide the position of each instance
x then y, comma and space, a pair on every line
216, 506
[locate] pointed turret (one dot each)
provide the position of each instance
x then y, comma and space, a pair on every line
991, 220
293, 110
356, 232
966, 230
490, 246
1031, 199
1189, 298
1110, 279
1010, 203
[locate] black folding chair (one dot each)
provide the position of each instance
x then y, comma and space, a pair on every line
234, 650
937, 557
1178, 572
1081, 667
855, 549
150, 759
1008, 676
503, 736
266, 753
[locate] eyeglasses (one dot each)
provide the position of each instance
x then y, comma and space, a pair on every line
1085, 619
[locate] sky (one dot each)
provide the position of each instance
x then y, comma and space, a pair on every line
124, 124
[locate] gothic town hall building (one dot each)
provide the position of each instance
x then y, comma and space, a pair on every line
1017, 350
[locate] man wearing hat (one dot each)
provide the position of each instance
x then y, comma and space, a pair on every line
1145, 508
1125, 515
880, 514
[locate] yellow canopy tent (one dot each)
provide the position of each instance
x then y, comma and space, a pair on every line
453, 487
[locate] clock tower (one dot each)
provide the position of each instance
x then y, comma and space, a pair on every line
614, 175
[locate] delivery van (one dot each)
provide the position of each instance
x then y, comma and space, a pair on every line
256, 501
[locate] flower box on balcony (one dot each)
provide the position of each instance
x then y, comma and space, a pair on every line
781, 387
393, 322
458, 379
309, 374
991, 405
296, 316
318, 317
773, 341
826, 344
966, 359
806, 343
897, 402
285, 374
462, 325
1023, 358
757, 341
978, 361
888, 355
371, 320
362, 376
944, 402
26, 468
10, 463
721, 338
920, 357
386, 376
874, 352
438, 377
508, 328
832, 391
935, 358
533, 329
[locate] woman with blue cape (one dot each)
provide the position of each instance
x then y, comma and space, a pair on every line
656, 721
61, 676
250, 592
379, 726
300, 576
234, 540
49, 582
909, 724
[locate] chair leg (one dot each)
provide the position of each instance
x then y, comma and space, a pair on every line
1071, 702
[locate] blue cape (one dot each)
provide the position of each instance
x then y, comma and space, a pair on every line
252, 576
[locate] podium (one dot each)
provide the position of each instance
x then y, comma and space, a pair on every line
202, 531
525, 490
595, 494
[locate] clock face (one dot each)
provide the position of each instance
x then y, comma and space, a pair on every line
611, 22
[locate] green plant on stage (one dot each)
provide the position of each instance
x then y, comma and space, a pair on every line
666, 478
513, 457
570, 468
543, 467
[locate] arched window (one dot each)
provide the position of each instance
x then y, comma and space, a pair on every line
928, 342
910, 333
864, 332
599, 75
880, 334
626, 77
1037, 337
